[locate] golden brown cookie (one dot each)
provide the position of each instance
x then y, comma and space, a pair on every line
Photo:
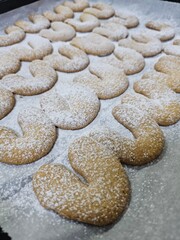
106, 80
44, 78
111, 30
69, 59
37, 49
59, 31
173, 49
9, 63
126, 59
161, 31
127, 19
91, 44
148, 140
74, 107
14, 35
171, 80
85, 23
60, 13
169, 65
37, 22
166, 106
146, 45
77, 5
100, 10
7, 102
38, 138
99, 201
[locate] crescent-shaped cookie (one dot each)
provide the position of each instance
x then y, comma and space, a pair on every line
164, 110
113, 31
91, 44
36, 49
146, 45
9, 63
148, 142
37, 22
126, 59
7, 102
85, 23
60, 13
13, 35
127, 19
171, 80
38, 138
100, 200
173, 49
59, 31
100, 10
169, 65
161, 103
69, 59
161, 31
44, 78
71, 108
77, 5
106, 80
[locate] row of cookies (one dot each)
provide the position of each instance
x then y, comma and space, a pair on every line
87, 21
45, 77
113, 29
78, 104
156, 103
103, 149
97, 156
68, 59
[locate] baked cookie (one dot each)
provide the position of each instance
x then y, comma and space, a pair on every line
14, 35
85, 23
7, 102
91, 44
37, 22
77, 5
113, 31
148, 140
100, 10
106, 80
162, 31
146, 45
169, 65
9, 63
173, 49
171, 80
37, 49
38, 138
126, 59
127, 19
60, 13
166, 106
59, 31
74, 107
69, 59
99, 201
44, 78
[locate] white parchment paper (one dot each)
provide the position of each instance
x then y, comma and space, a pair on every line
154, 210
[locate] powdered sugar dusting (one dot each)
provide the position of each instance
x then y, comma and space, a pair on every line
72, 107
154, 206
44, 78
14, 35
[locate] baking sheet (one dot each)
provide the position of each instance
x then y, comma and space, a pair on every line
154, 210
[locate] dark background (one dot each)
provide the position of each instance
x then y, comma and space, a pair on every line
7, 5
